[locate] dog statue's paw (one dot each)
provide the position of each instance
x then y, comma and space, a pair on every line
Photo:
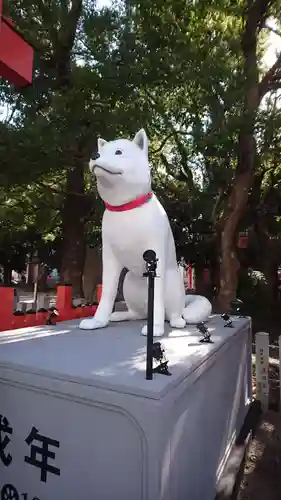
92, 324
177, 322
158, 330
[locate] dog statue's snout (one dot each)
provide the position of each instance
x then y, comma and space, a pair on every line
95, 156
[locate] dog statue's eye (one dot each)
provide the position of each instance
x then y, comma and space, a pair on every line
118, 152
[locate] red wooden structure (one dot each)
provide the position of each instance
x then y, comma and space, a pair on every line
243, 239
16, 55
65, 311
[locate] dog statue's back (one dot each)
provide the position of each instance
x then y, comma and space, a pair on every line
133, 222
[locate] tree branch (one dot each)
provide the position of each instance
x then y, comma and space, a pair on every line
275, 31
273, 86
258, 11
174, 133
217, 202
267, 80
60, 192
158, 150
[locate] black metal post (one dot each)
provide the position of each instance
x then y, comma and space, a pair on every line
151, 264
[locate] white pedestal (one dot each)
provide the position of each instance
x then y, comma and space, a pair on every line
110, 433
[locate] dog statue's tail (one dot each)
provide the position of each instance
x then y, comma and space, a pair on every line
197, 309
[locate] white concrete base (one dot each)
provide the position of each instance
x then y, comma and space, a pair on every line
117, 435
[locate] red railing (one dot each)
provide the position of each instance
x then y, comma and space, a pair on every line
10, 320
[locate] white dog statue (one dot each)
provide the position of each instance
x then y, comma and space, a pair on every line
134, 221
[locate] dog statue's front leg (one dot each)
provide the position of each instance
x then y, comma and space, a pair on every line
159, 298
110, 278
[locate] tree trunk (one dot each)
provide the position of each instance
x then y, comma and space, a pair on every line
92, 273
7, 275
201, 286
229, 262
73, 230
42, 279
246, 158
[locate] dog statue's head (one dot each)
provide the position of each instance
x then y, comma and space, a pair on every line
122, 169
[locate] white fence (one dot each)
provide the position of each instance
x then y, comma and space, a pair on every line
263, 361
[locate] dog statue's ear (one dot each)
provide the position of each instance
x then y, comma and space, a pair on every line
101, 143
141, 140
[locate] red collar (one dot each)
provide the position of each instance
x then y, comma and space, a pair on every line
138, 202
